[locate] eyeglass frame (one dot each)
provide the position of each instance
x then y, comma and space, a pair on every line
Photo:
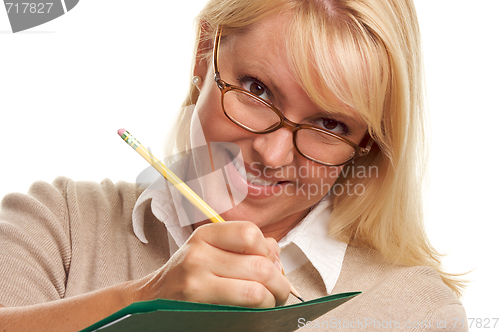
284, 122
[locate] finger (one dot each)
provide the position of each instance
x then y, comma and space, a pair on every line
252, 268
241, 237
274, 247
237, 292
190, 282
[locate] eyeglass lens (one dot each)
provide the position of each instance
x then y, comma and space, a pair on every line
253, 115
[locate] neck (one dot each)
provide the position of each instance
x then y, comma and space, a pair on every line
280, 229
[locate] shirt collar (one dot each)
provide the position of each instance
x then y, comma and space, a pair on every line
325, 253
308, 241
166, 205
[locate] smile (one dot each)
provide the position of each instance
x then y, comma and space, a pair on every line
249, 184
251, 178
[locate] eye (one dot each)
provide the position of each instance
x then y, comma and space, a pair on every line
256, 87
333, 126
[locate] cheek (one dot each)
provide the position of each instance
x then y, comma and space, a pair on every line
208, 113
210, 116
208, 104
323, 177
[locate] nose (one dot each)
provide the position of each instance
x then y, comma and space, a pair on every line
276, 148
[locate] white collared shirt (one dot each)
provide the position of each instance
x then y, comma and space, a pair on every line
308, 241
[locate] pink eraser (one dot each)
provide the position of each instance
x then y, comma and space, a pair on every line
121, 131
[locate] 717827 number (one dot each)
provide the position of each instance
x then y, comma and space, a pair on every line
29, 7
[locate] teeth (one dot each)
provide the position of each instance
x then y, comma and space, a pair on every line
239, 167
258, 181
250, 177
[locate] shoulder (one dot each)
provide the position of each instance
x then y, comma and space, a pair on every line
82, 198
88, 190
65, 189
405, 294
70, 237
368, 271
65, 199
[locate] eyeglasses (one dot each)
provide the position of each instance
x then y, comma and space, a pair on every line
258, 116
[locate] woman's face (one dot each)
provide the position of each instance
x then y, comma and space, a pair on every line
282, 185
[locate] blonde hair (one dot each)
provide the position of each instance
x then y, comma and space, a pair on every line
364, 55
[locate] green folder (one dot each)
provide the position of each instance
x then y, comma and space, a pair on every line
168, 315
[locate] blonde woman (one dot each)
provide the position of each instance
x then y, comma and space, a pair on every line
323, 100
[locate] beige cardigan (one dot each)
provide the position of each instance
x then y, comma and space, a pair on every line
69, 238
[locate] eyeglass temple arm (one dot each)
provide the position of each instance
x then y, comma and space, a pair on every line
216, 57
364, 151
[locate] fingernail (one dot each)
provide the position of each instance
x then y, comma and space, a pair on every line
277, 263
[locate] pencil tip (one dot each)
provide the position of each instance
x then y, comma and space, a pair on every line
295, 293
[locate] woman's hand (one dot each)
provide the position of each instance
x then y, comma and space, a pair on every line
223, 263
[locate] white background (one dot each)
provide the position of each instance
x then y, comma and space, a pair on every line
68, 85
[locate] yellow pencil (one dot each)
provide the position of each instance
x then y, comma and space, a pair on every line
187, 192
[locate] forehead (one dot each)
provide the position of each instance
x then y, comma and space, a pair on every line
260, 45
263, 46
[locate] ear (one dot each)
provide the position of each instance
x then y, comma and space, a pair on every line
204, 47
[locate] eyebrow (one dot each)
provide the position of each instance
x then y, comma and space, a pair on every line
339, 115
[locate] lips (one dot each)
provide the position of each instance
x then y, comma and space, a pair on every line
256, 186
253, 179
